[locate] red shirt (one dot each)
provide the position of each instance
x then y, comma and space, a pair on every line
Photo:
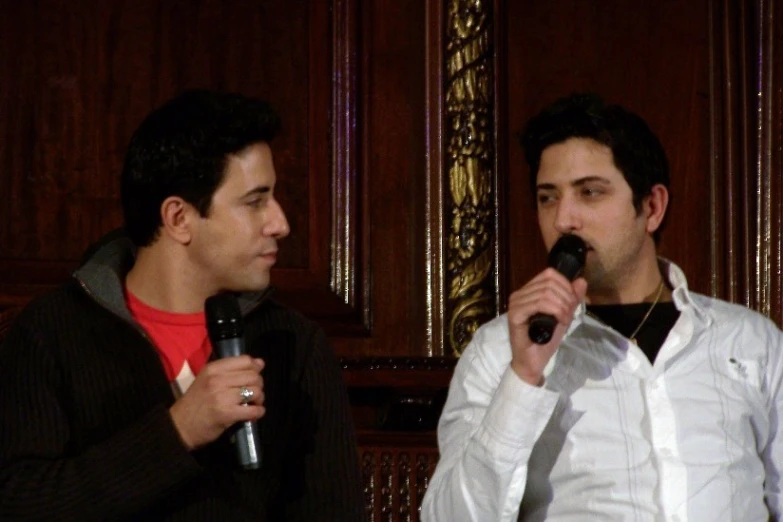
179, 338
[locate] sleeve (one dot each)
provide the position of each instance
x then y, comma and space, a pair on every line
486, 433
42, 476
773, 451
324, 480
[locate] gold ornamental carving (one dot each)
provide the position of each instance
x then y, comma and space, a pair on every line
469, 203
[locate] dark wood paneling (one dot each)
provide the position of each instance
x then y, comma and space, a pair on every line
434, 251
776, 154
770, 165
334, 288
392, 122
730, 237
746, 142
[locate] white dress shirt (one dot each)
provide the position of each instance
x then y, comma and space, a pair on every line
693, 437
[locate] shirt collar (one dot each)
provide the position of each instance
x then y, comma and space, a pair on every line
682, 297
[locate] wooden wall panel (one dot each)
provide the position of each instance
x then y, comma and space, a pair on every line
769, 21
774, 141
391, 167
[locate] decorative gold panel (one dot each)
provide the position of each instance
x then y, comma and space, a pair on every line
469, 204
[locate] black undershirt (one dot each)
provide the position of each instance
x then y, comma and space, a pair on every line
625, 318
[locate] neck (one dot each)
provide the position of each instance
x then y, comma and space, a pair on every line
638, 285
160, 278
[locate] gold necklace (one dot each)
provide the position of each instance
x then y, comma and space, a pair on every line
632, 337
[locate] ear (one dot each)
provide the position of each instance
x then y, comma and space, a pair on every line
654, 207
177, 216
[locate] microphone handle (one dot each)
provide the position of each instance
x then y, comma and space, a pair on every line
231, 347
244, 437
248, 444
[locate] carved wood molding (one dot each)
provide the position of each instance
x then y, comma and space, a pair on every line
338, 293
770, 159
746, 189
396, 473
434, 251
371, 364
398, 372
349, 267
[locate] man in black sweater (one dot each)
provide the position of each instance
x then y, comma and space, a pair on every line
111, 405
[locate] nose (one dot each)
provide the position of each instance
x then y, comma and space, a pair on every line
277, 225
567, 218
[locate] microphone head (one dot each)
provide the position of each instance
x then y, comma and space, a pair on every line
568, 256
224, 318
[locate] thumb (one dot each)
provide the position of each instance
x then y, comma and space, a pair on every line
580, 288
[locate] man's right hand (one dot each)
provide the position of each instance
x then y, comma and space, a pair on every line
213, 402
548, 293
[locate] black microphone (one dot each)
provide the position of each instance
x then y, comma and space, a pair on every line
226, 332
567, 257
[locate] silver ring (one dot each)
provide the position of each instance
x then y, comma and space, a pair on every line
246, 394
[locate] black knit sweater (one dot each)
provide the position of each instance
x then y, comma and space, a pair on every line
85, 430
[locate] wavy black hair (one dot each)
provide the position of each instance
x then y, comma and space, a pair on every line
636, 150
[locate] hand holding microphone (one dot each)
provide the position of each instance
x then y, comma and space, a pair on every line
539, 312
567, 257
228, 393
225, 326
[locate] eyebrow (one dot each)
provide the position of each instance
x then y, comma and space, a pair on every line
257, 191
576, 183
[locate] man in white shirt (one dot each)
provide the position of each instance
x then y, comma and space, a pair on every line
650, 402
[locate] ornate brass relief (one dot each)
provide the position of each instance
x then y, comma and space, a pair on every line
469, 204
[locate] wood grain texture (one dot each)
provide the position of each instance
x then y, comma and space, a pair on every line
745, 144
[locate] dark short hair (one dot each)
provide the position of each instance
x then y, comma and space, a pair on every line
182, 148
636, 150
